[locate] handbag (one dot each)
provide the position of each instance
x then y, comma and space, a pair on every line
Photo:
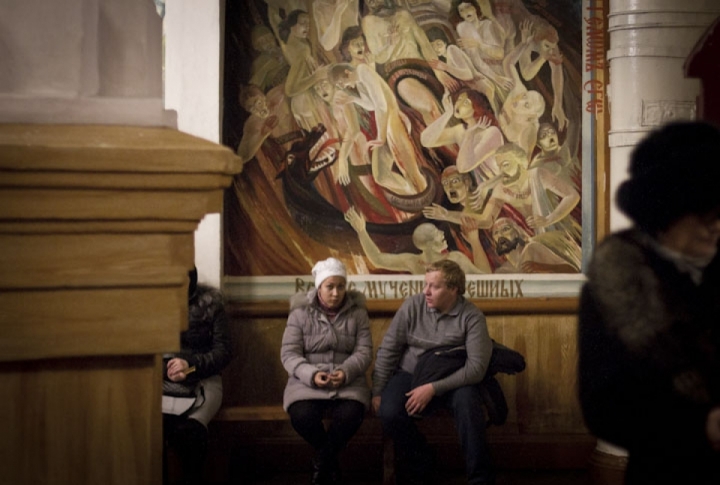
179, 389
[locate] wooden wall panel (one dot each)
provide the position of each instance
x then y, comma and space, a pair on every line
99, 406
542, 399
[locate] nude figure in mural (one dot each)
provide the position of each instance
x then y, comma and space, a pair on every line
332, 18
456, 62
269, 68
457, 187
258, 125
477, 136
555, 157
482, 38
526, 190
544, 43
392, 147
427, 238
353, 48
524, 254
520, 114
352, 170
294, 31
277, 11
397, 42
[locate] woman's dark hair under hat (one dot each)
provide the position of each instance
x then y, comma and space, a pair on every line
674, 171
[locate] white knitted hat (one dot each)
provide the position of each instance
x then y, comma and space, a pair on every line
327, 268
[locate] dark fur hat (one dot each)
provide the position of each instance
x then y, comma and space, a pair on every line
674, 171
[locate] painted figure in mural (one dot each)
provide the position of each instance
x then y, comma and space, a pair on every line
258, 125
524, 254
457, 187
294, 31
398, 43
353, 48
278, 10
520, 114
270, 127
427, 238
555, 157
332, 18
352, 180
477, 135
482, 37
326, 350
544, 43
527, 191
270, 68
543, 49
392, 147
456, 62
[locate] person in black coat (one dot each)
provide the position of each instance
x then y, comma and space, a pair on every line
192, 386
649, 321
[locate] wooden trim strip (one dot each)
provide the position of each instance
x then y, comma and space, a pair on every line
523, 306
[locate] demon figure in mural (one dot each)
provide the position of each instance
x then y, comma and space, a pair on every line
386, 132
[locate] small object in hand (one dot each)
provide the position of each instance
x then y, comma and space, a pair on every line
190, 370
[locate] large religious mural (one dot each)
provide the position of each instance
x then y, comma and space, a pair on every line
392, 133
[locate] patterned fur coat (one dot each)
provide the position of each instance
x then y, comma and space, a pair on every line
649, 359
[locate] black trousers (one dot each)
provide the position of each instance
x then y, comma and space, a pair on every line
345, 415
189, 440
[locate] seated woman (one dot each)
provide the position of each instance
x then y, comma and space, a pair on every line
192, 386
326, 350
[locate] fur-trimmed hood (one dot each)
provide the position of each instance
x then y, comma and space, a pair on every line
654, 308
624, 279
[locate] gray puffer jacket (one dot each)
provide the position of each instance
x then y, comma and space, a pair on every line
311, 344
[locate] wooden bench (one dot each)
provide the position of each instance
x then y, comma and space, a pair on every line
544, 427
277, 413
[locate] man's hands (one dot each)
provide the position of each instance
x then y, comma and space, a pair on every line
325, 380
419, 398
376, 403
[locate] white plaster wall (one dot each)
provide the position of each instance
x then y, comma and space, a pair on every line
649, 43
192, 89
81, 61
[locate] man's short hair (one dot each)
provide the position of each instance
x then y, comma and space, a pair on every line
452, 273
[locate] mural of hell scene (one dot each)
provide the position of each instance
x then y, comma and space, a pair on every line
393, 133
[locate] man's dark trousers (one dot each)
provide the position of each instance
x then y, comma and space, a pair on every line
414, 461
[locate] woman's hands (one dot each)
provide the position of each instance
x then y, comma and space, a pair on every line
325, 380
178, 369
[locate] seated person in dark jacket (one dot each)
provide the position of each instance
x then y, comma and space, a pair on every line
438, 317
650, 314
192, 389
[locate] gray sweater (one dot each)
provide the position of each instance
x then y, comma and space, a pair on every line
417, 328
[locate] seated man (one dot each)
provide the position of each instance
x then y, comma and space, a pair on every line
438, 317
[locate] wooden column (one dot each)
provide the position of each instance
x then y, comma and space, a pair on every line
96, 237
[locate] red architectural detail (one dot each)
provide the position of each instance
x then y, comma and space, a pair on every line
704, 63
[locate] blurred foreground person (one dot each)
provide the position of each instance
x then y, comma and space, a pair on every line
649, 323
